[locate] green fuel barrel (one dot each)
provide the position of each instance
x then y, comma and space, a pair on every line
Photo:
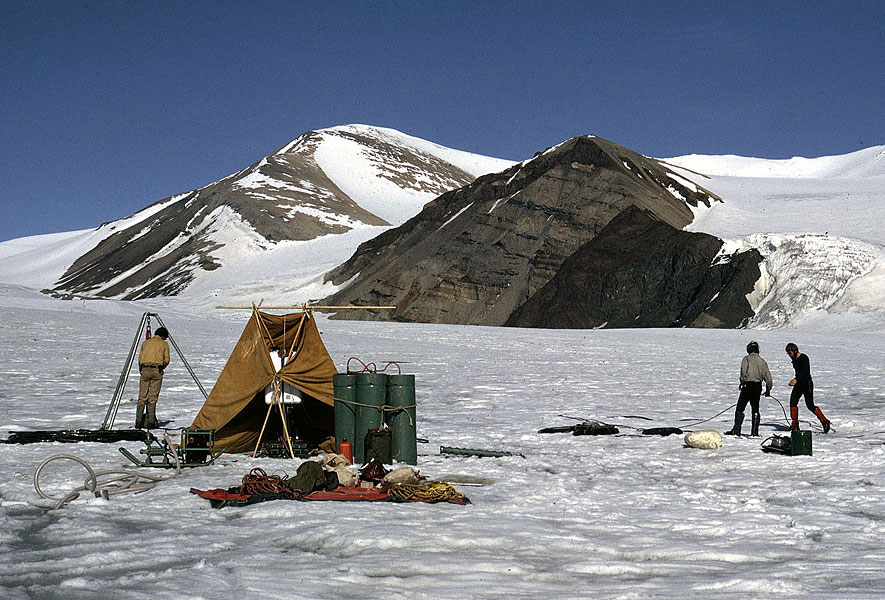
344, 389
371, 391
400, 417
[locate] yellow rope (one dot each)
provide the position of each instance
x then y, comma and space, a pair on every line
428, 492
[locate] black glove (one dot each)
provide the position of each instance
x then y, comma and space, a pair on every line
768, 392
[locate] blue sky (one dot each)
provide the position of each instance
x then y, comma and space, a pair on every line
106, 107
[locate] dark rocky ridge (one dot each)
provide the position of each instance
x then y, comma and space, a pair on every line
642, 272
476, 254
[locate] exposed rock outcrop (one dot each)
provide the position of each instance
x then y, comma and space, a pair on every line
476, 254
642, 272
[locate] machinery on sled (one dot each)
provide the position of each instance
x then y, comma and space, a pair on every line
196, 449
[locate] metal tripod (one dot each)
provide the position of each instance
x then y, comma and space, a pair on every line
144, 325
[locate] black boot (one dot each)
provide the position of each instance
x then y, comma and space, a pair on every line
754, 431
738, 421
139, 417
152, 416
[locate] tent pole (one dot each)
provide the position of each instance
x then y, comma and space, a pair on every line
275, 400
261, 325
111, 414
283, 417
266, 419
181, 356
295, 339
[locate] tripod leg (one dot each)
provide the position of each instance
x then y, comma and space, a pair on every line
261, 435
111, 414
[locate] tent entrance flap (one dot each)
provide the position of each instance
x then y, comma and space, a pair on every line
236, 406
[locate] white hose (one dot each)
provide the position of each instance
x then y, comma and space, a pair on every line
123, 482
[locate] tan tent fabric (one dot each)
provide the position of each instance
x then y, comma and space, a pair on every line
235, 407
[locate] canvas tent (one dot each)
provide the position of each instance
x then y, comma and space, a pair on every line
236, 406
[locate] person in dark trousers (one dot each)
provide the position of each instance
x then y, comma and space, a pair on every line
754, 370
152, 360
802, 385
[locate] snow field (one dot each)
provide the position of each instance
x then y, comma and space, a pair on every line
623, 516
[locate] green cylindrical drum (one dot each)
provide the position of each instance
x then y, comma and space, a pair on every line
401, 395
344, 390
371, 391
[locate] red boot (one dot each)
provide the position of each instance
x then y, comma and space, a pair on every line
823, 420
794, 415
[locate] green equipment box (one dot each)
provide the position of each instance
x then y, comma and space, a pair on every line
800, 443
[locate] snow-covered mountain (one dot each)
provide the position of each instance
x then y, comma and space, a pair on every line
274, 229
819, 223
351, 180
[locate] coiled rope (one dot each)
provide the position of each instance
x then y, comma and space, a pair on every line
426, 492
257, 481
105, 483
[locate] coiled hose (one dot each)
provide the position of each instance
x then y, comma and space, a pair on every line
105, 483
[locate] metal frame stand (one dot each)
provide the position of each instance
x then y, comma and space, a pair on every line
278, 402
145, 324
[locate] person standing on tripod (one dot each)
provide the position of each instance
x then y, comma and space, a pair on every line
802, 386
754, 370
152, 360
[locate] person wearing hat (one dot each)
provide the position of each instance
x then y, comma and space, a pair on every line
754, 370
802, 386
152, 360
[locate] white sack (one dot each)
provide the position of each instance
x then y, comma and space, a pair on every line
706, 438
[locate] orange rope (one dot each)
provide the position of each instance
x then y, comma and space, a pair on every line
259, 482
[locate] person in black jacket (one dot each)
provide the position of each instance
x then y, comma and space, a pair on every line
802, 385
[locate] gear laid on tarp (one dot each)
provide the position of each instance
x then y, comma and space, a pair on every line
77, 435
312, 483
430, 492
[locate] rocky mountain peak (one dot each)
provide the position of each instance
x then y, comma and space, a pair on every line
324, 182
475, 254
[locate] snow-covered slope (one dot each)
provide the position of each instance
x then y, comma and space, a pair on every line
866, 163
352, 180
378, 169
819, 222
